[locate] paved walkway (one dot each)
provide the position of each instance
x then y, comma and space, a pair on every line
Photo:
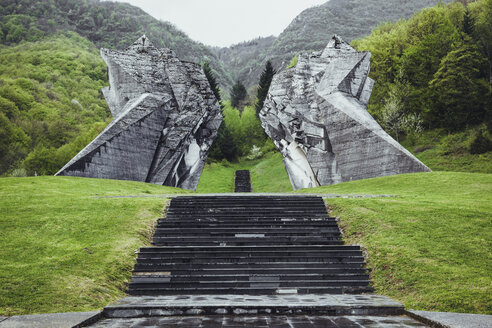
254, 195
49, 320
454, 320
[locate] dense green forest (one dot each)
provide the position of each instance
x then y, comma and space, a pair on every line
50, 100
433, 72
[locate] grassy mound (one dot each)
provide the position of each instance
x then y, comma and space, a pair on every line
428, 247
62, 249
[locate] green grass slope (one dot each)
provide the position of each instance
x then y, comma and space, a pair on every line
62, 249
428, 247
267, 175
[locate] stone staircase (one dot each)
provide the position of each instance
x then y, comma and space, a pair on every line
251, 261
242, 181
248, 245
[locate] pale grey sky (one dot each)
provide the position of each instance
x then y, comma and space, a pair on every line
226, 22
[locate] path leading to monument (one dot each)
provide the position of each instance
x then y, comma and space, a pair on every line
250, 261
242, 181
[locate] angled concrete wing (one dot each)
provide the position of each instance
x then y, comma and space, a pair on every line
165, 120
316, 115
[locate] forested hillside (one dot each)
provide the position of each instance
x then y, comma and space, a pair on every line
311, 30
50, 100
433, 73
107, 24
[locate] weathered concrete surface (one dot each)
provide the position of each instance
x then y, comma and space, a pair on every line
50, 320
321, 304
297, 321
316, 115
165, 120
453, 320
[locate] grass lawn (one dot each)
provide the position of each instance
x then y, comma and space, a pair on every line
62, 249
441, 151
267, 174
429, 247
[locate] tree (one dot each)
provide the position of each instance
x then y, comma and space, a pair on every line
395, 117
265, 81
224, 145
238, 93
212, 81
460, 91
481, 11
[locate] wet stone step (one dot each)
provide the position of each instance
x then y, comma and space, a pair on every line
267, 304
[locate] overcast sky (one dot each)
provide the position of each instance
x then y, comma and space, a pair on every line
226, 22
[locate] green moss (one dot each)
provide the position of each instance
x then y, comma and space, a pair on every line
293, 62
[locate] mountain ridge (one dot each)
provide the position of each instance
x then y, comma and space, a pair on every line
313, 27
116, 25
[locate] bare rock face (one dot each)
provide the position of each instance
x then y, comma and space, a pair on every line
316, 115
165, 120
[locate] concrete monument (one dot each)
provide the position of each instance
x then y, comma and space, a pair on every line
165, 120
316, 115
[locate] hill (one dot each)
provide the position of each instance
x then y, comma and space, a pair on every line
63, 249
50, 100
107, 24
428, 244
312, 28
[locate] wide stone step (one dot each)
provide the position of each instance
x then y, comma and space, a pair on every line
245, 270
244, 198
250, 290
245, 217
247, 206
241, 255
223, 241
249, 229
243, 234
272, 305
252, 248
265, 267
248, 223
241, 277
190, 283
265, 259
341, 250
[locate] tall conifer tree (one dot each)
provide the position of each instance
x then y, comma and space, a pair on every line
212, 81
265, 81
